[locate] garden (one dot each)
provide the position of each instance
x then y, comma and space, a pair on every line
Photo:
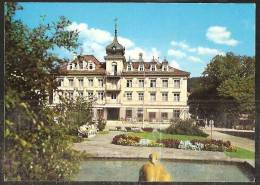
182, 134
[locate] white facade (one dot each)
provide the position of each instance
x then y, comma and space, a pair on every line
125, 90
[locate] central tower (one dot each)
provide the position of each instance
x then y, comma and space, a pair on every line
115, 58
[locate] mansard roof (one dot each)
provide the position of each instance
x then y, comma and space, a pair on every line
100, 68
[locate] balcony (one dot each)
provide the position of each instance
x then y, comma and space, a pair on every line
113, 87
112, 102
113, 74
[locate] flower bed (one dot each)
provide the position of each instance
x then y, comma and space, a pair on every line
206, 145
124, 139
169, 143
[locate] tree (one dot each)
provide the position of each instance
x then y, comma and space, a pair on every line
74, 112
35, 145
227, 89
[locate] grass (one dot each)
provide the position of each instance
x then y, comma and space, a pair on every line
160, 135
241, 153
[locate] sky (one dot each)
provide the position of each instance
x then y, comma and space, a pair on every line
188, 35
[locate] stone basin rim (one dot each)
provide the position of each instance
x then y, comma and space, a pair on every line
230, 161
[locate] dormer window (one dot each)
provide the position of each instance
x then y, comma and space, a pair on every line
153, 68
70, 66
90, 66
129, 67
165, 68
141, 67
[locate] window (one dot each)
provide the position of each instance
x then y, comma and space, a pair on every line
100, 95
100, 82
164, 115
139, 114
81, 93
81, 82
70, 67
60, 82
141, 67
165, 96
128, 113
141, 96
164, 68
141, 83
71, 82
165, 83
153, 96
70, 94
100, 113
177, 84
90, 66
129, 95
90, 95
129, 67
113, 96
75, 66
152, 67
153, 83
176, 96
152, 116
129, 83
90, 82
176, 113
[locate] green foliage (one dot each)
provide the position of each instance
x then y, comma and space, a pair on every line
101, 124
227, 90
185, 127
36, 146
74, 113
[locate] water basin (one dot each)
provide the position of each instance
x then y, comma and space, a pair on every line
181, 170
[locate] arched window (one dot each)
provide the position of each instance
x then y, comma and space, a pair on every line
114, 68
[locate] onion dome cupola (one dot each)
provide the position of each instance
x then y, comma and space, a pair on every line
115, 48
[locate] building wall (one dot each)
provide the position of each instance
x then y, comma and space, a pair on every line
147, 105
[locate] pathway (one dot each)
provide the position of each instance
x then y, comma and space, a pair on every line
100, 146
237, 141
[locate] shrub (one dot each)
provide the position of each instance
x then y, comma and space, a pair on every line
213, 147
169, 143
101, 125
147, 129
185, 127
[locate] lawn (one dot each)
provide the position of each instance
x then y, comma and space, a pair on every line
160, 135
241, 153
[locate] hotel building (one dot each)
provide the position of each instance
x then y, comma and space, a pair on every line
126, 90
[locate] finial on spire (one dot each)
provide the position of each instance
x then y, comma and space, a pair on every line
115, 26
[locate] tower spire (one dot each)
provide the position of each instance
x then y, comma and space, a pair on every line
115, 27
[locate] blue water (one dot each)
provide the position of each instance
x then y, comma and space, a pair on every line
128, 170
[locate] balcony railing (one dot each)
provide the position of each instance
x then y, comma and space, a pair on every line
113, 74
112, 101
113, 87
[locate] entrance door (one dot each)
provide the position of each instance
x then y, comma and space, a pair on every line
113, 114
